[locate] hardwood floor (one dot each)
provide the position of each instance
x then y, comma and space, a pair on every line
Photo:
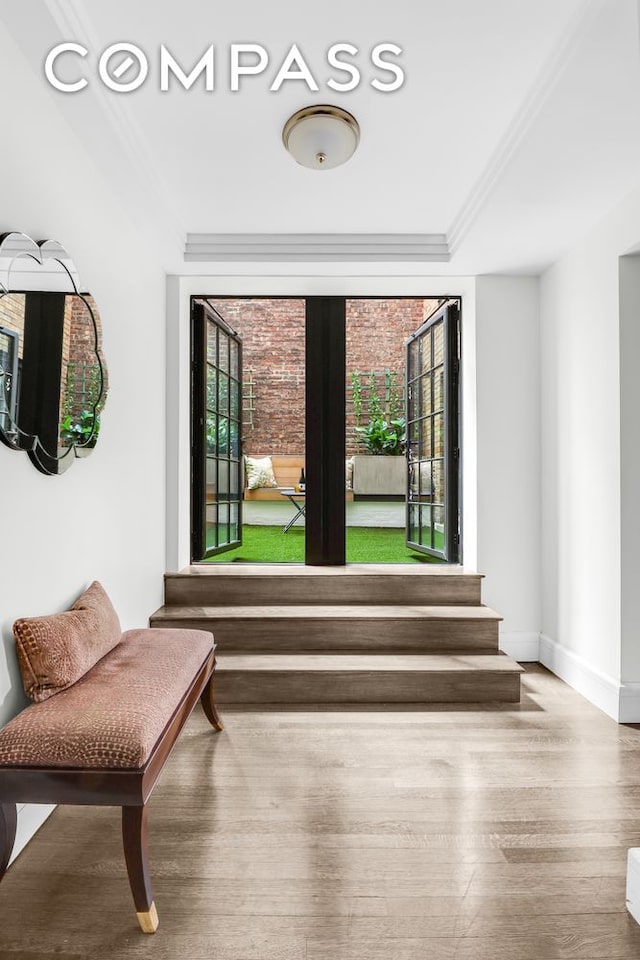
469, 833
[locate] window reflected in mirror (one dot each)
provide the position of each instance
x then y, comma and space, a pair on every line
52, 378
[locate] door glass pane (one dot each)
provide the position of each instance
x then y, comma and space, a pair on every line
438, 481
438, 344
223, 393
234, 366
212, 344
425, 448
223, 480
438, 435
427, 360
414, 524
212, 433
414, 480
425, 395
234, 517
425, 526
438, 527
438, 388
223, 351
234, 399
426, 482
212, 382
212, 483
211, 526
234, 439
223, 523
414, 359
223, 437
234, 480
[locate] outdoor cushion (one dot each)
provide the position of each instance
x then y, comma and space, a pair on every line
423, 471
259, 473
55, 651
348, 473
113, 716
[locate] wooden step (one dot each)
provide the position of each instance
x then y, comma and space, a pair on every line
423, 584
367, 679
340, 629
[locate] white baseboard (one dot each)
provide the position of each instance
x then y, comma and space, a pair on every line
633, 883
523, 647
599, 688
31, 816
629, 703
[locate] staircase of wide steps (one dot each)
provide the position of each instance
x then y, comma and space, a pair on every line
354, 634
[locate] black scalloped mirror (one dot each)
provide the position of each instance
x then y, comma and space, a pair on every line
52, 374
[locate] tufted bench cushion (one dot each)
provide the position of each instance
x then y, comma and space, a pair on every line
114, 715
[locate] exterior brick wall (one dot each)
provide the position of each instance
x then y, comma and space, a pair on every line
273, 338
79, 348
273, 351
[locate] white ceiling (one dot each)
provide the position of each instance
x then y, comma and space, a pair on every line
517, 127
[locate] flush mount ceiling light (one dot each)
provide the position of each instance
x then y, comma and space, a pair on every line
321, 137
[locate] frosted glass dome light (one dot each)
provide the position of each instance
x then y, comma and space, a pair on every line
321, 137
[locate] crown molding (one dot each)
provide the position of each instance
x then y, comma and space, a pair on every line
523, 120
316, 247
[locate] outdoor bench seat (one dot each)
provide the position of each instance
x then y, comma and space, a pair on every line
105, 739
286, 470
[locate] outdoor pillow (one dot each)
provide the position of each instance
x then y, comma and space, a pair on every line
55, 651
426, 485
348, 469
259, 473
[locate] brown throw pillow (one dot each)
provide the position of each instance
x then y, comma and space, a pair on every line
55, 651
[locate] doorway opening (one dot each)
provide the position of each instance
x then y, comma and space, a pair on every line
285, 386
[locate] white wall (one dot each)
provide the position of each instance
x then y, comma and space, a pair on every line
630, 468
508, 439
500, 422
105, 518
582, 437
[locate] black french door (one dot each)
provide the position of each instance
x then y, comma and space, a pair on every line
325, 335
432, 437
433, 452
216, 443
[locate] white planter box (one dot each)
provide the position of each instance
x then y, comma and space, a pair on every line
379, 476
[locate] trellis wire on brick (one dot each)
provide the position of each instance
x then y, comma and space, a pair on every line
83, 388
389, 388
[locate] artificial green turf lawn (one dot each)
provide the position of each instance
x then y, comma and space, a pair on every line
364, 545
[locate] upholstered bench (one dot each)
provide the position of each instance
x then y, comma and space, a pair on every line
104, 722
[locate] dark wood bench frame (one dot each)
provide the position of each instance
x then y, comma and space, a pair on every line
129, 789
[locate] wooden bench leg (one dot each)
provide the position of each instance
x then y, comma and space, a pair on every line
134, 835
8, 825
209, 706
